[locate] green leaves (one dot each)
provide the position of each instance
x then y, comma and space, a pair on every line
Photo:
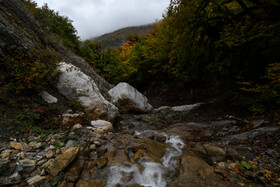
246, 165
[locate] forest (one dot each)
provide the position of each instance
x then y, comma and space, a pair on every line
220, 46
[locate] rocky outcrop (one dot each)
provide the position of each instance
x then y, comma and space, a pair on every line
129, 99
75, 85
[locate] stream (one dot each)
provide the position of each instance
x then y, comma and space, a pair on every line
149, 174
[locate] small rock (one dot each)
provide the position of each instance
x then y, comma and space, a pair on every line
77, 126
62, 161
18, 146
260, 123
71, 143
6, 168
102, 126
35, 145
14, 178
102, 161
52, 147
206, 133
97, 143
48, 98
273, 153
41, 162
6, 154
69, 120
35, 181
49, 154
92, 147
27, 165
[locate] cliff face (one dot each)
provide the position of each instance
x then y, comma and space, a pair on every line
19, 29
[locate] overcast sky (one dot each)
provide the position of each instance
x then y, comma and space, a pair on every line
96, 17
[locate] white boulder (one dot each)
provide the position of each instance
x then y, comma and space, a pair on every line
129, 99
75, 85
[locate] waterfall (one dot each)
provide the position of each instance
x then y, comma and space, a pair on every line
153, 173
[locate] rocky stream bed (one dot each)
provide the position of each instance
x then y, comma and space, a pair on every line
155, 149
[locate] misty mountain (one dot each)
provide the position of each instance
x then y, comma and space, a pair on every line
116, 38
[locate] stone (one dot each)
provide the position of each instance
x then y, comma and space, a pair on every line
77, 126
36, 180
14, 178
222, 124
6, 154
214, 150
272, 153
102, 126
191, 167
206, 133
128, 98
71, 143
73, 174
92, 147
18, 146
93, 183
102, 161
185, 108
75, 85
27, 165
49, 154
118, 157
259, 123
62, 161
35, 145
68, 120
48, 97
6, 167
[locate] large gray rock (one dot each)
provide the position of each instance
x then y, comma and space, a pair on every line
129, 99
75, 85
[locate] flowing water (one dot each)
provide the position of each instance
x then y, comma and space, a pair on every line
153, 174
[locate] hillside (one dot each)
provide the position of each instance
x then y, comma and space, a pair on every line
116, 38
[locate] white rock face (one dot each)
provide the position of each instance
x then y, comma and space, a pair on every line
48, 97
75, 85
129, 99
101, 126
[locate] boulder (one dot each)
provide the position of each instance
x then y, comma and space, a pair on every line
128, 98
6, 168
62, 161
101, 126
75, 85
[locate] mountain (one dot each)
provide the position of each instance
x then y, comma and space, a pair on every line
116, 38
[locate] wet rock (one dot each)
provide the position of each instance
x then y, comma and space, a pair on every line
129, 99
214, 150
102, 161
62, 161
190, 168
118, 157
6, 167
48, 97
18, 146
67, 120
75, 85
27, 165
14, 178
73, 174
93, 183
36, 180
234, 129
101, 126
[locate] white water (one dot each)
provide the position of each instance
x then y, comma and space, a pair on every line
153, 173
